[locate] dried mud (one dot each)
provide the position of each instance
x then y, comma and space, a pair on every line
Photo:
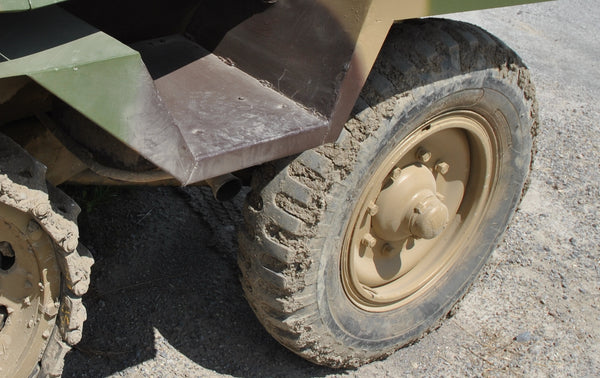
165, 299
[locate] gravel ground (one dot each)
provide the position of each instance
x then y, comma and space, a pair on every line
165, 299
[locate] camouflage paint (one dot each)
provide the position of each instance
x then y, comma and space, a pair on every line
108, 82
97, 75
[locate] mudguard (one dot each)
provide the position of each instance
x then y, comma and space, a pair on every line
317, 54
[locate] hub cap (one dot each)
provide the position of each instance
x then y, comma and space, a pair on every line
416, 215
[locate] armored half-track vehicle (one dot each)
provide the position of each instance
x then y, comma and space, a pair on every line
386, 153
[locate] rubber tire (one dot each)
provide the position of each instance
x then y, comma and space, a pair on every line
23, 187
298, 210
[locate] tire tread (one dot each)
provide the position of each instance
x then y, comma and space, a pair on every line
417, 53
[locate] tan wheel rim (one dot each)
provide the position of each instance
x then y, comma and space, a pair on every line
29, 289
419, 211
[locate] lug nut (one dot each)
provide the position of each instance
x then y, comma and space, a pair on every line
423, 155
396, 173
372, 209
368, 240
442, 167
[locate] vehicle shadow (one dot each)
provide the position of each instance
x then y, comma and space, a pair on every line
166, 277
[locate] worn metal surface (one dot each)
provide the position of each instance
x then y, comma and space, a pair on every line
46, 148
96, 75
228, 118
21, 5
318, 54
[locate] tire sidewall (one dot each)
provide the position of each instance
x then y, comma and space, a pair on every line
495, 96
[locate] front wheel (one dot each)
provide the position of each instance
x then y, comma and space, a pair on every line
355, 249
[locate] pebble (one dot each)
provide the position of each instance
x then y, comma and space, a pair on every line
524, 337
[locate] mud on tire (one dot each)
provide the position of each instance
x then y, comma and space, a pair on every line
45, 270
307, 217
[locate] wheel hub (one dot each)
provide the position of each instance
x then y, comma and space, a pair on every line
410, 207
417, 211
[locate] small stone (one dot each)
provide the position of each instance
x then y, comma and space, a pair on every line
524, 337
535, 350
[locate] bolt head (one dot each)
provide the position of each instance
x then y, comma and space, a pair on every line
373, 209
442, 167
423, 155
369, 240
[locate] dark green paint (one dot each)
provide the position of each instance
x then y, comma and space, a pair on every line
452, 6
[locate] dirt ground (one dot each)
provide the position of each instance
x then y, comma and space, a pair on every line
166, 301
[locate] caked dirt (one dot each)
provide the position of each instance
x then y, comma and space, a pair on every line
165, 299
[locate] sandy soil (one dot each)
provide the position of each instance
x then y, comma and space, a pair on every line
166, 301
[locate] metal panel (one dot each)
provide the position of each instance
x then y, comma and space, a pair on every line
317, 54
14, 5
98, 76
228, 118
22, 5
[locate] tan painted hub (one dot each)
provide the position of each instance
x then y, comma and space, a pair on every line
410, 207
422, 202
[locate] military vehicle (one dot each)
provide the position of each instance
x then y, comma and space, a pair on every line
386, 153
